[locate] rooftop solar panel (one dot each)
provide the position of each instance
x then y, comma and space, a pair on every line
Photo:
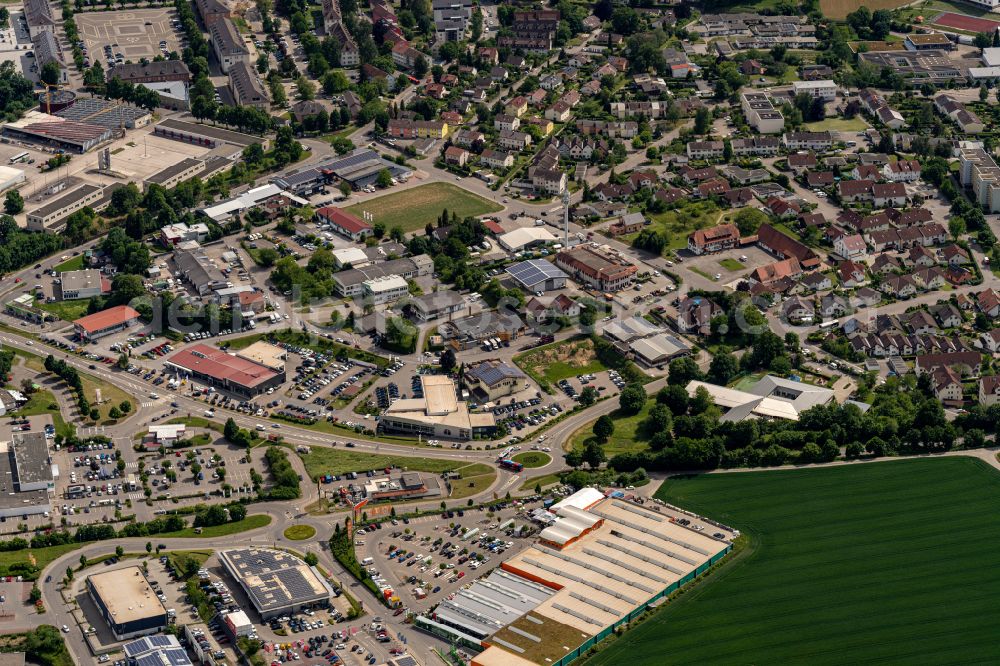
533, 271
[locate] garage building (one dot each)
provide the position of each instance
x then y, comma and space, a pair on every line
225, 371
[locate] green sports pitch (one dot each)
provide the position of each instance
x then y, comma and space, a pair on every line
889, 562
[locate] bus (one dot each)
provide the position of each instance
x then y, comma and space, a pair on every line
828, 324
20, 157
511, 465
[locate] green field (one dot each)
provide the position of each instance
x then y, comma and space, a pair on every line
627, 437
544, 480
74, 264
323, 460
43, 402
415, 208
731, 265
248, 523
533, 459
855, 124
65, 310
300, 532
679, 222
889, 562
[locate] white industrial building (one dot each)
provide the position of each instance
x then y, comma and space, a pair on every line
525, 238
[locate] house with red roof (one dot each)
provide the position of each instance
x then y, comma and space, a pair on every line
105, 322
344, 223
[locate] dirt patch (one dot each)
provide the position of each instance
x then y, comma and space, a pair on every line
578, 354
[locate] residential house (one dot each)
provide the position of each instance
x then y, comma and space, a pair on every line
851, 274
784, 247
902, 171
888, 194
947, 385
694, 315
455, 155
778, 270
899, 286
496, 159
851, 246
989, 390
816, 281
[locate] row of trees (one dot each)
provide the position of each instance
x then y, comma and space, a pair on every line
68, 374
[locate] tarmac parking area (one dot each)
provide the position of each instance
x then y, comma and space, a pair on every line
135, 33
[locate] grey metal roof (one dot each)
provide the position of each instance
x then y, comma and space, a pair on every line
533, 271
31, 457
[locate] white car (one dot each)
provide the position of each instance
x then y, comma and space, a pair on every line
718, 276
65, 629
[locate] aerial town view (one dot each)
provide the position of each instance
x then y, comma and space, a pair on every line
478, 333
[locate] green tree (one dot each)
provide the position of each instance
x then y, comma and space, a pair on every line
384, 179
119, 551
632, 399
723, 368
588, 396
593, 454
683, 371
311, 559
51, 72
114, 413
230, 430
149, 547
13, 203
604, 427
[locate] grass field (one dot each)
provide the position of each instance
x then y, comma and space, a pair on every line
323, 460
74, 264
560, 360
414, 208
732, 265
890, 562
43, 402
839, 9
543, 481
248, 523
111, 396
476, 478
533, 459
627, 437
300, 532
855, 124
41, 557
65, 310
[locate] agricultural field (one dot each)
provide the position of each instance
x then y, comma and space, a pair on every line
415, 208
848, 564
560, 360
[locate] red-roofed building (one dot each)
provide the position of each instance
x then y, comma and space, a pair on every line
345, 223
225, 371
252, 301
105, 322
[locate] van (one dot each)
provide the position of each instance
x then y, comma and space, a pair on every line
368, 560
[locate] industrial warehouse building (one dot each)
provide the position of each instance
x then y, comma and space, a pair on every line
276, 582
771, 397
598, 565
105, 322
86, 283
225, 371
439, 413
127, 602
26, 476
538, 275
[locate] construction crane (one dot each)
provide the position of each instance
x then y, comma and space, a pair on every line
48, 95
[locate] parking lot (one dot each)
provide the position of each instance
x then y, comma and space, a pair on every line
131, 34
426, 559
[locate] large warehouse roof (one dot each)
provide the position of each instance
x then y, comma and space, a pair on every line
219, 365
274, 579
99, 321
127, 595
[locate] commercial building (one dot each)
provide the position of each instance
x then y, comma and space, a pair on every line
384, 289
919, 67
26, 476
760, 113
266, 354
206, 135
276, 582
350, 283
225, 371
199, 271
436, 304
408, 485
439, 413
472, 330
525, 238
175, 174
536, 275
10, 177
599, 564
362, 167
23, 307
597, 267
47, 50
127, 602
57, 132
227, 44
105, 322
52, 215
246, 86
494, 379
170, 79
344, 223
162, 650
85, 283
771, 397
258, 196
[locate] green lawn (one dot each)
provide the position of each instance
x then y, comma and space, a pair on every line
415, 208
543, 480
532, 459
627, 437
43, 402
74, 264
323, 460
678, 223
889, 562
300, 532
65, 310
197, 422
855, 124
472, 484
248, 523
560, 360
41, 557
731, 265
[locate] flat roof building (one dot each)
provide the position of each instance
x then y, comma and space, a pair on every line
205, 135
32, 464
266, 354
127, 602
596, 267
52, 215
176, 173
436, 304
771, 397
350, 283
385, 289
156, 651
23, 458
225, 371
276, 582
85, 283
439, 413
105, 322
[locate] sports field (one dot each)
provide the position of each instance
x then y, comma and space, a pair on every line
890, 562
966, 23
415, 208
839, 9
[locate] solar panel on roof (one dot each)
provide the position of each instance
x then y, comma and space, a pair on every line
406, 660
534, 271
